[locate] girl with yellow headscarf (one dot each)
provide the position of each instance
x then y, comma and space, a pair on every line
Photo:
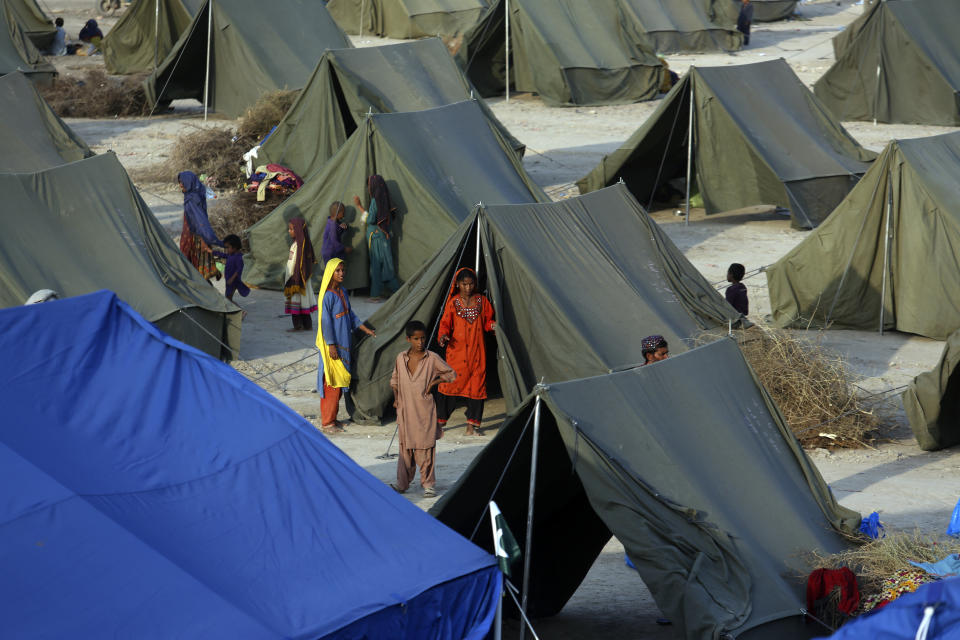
337, 324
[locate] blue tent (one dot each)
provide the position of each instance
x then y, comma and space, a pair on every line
902, 618
149, 491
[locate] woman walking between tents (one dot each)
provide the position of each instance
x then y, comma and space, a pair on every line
466, 316
197, 236
379, 218
300, 301
337, 324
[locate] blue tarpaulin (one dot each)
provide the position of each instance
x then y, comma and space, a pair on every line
149, 491
901, 619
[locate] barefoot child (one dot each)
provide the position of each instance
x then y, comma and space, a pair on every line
415, 374
466, 317
333, 246
233, 270
297, 289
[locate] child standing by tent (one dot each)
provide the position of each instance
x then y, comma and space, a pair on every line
300, 301
233, 269
736, 293
466, 316
333, 234
415, 374
337, 324
379, 220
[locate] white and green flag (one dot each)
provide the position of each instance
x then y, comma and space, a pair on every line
505, 547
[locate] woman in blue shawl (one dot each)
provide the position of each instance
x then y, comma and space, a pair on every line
379, 219
197, 236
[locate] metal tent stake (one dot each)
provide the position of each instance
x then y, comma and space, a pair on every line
530, 501
506, 14
206, 81
689, 147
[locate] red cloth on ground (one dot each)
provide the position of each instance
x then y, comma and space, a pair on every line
822, 581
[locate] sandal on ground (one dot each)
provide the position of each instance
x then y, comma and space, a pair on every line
429, 492
331, 428
397, 489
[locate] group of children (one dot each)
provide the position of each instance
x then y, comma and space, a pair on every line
426, 387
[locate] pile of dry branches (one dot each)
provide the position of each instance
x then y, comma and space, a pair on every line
239, 211
811, 386
94, 94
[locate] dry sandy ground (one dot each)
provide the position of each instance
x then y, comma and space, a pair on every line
909, 487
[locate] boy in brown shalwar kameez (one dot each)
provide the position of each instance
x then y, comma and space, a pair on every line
415, 374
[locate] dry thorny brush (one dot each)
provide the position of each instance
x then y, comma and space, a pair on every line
217, 152
812, 387
876, 560
94, 94
238, 212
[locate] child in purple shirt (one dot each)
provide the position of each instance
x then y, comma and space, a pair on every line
333, 246
233, 270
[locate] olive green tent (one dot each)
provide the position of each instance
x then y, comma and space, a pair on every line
34, 23
17, 51
713, 498
575, 284
32, 136
898, 62
763, 10
82, 227
932, 401
256, 47
893, 239
438, 163
683, 25
146, 33
759, 137
569, 51
407, 18
349, 83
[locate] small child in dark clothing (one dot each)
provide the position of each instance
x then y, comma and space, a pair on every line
233, 270
333, 246
737, 291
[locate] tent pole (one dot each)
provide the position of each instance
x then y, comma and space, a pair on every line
362, 2
156, 33
476, 259
206, 81
689, 151
498, 619
506, 14
876, 97
533, 487
886, 249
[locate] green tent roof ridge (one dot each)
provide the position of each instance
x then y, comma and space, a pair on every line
257, 47
683, 25
835, 276
33, 137
349, 83
407, 18
899, 62
92, 202
768, 141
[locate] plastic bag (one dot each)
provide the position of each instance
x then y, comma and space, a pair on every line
953, 529
871, 526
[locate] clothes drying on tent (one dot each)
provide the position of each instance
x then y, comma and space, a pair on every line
17, 51
760, 137
407, 18
256, 48
898, 62
885, 257
33, 22
347, 84
674, 26
713, 500
568, 51
437, 163
32, 136
145, 34
557, 318
149, 491
79, 227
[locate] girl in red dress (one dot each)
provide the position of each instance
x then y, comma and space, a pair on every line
466, 316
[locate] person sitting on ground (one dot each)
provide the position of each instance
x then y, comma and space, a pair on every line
737, 291
59, 45
466, 317
334, 341
333, 235
233, 270
416, 372
654, 349
92, 35
744, 20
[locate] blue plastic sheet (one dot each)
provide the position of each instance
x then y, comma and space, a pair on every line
953, 529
